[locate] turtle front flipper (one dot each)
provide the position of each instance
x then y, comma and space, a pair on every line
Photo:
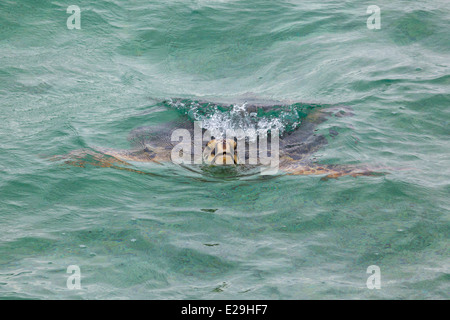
106, 158
144, 155
83, 157
330, 171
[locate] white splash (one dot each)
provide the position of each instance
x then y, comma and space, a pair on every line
236, 118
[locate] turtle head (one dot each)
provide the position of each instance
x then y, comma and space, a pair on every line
219, 152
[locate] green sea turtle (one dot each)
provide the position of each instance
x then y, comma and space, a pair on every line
297, 141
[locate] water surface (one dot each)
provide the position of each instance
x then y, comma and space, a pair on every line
187, 235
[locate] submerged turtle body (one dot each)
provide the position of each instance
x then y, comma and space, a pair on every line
154, 144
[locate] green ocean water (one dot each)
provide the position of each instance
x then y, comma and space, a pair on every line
181, 234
